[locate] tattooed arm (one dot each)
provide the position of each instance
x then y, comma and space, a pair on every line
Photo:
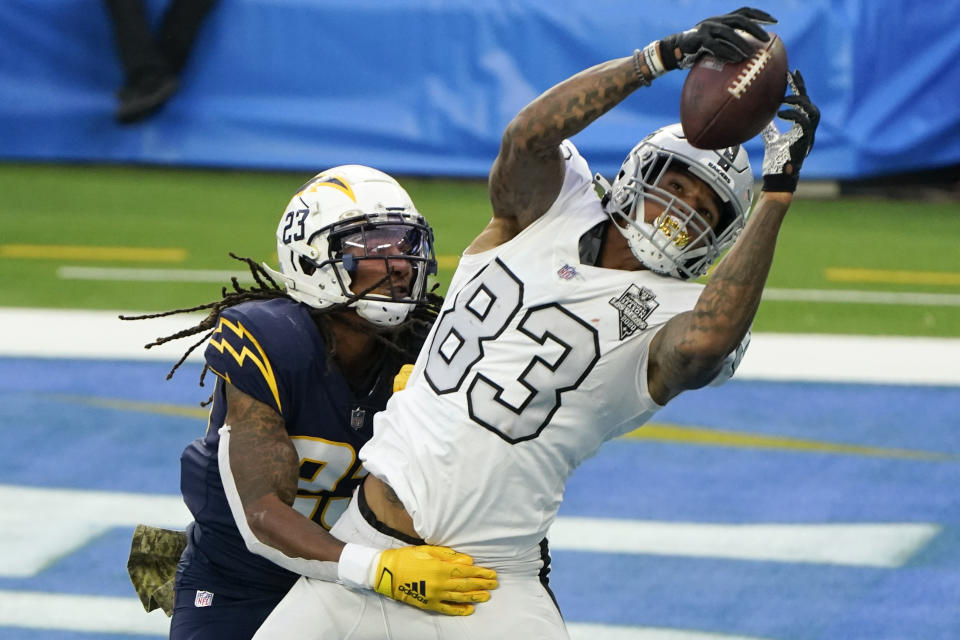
264, 466
688, 351
528, 172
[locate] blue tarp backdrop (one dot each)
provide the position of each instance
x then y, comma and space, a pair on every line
426, 87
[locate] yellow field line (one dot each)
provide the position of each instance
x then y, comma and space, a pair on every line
73, 252
653, 431
714, 437
448, 261
837, 274
179, 411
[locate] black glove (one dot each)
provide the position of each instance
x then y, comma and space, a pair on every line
716, 36
783, 154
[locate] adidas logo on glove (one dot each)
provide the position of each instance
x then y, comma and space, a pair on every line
415, 590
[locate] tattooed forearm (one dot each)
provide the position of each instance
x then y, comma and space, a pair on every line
688, 352
567, 108
262, 457
528, 172
727, 306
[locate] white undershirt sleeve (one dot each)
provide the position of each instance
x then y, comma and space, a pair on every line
320, 569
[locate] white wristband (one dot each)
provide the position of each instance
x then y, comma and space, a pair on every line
357, 567
651, 55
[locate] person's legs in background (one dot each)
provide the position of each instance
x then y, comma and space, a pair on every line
179, 28
151, 63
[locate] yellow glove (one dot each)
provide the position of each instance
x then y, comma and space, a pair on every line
427, 577
400, 380
435, 578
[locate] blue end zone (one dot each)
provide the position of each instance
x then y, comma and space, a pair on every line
92, 447
64, 424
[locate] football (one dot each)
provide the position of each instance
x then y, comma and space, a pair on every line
724, 104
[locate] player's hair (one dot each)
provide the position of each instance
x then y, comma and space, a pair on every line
403, 341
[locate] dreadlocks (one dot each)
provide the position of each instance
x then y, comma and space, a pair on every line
403, 342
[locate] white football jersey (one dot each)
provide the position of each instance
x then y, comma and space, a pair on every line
534, 362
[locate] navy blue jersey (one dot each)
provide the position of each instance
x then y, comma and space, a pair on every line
273, 351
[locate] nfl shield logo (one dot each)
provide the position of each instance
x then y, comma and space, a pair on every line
566, 272
203, 599
357, 418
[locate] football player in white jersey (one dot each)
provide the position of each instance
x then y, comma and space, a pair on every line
571, 319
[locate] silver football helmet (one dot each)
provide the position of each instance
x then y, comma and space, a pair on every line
338, 219
680, 242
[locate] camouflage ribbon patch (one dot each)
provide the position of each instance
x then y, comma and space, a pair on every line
152, 565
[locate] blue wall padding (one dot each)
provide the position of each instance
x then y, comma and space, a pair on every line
427, 87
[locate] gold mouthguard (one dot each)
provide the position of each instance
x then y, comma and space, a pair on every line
671, 228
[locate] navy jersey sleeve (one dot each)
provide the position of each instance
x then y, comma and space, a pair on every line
257, 348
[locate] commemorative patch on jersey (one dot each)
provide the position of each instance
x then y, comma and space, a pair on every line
634, 306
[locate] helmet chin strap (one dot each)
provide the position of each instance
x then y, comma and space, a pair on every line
645, 251
378, 310
385, 313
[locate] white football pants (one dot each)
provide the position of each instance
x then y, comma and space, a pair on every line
318, 610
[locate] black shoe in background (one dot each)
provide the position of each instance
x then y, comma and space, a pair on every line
143, 97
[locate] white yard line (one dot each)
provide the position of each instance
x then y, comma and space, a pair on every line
103, 614
28, 545
53, 333
844, 296
31, 545
851, 296
879, 545
50, 333
838, 358
65, 612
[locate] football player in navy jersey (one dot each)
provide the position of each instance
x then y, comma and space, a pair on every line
303, 361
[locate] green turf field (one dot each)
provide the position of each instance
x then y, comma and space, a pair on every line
57, 223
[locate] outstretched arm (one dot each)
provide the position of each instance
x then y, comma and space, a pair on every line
688, 351
528, 171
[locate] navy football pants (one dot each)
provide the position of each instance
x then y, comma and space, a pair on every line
225, 619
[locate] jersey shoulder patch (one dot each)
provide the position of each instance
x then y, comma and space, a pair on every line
258, 346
